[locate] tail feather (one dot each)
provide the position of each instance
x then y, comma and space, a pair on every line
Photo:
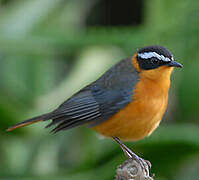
30, 121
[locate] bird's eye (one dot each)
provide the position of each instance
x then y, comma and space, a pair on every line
154, 61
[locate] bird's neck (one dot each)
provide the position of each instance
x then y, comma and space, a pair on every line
159, 76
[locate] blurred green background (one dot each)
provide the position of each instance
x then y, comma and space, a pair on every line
49, 49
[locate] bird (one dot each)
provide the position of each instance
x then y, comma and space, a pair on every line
126, 103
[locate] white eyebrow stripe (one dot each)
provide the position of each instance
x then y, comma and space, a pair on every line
148, 55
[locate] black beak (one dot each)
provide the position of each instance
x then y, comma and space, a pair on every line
175, 64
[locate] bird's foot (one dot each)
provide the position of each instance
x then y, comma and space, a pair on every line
145, 164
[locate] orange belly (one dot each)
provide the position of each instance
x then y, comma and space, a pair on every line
139, 118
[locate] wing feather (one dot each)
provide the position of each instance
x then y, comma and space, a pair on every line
75, 122
79, 109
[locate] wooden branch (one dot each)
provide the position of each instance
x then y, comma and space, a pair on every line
132, 170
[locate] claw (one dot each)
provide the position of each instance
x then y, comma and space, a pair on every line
149, 164
146, 165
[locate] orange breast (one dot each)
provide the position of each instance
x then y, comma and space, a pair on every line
139, 118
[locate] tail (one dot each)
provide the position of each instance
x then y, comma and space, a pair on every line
30, 121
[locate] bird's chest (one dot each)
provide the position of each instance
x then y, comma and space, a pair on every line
140, 117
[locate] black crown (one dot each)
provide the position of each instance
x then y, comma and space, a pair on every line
158, 49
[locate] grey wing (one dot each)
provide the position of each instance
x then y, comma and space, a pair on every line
87, 107
98, 101
81, 108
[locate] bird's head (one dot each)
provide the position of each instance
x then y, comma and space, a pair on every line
154, 61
